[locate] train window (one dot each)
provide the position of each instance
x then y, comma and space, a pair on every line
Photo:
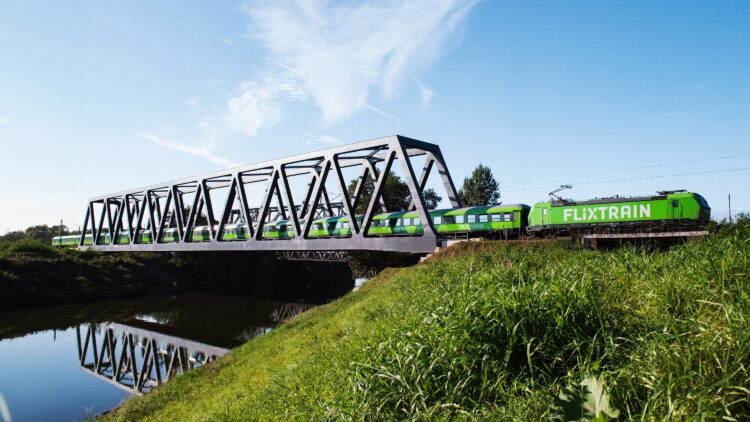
544, 211
449, 220
471, 218
417, 222
460, 219
406, 222
507, 216
345, 225
392, 222
675, 203
437, 220
483, 218
318, 226
496, 218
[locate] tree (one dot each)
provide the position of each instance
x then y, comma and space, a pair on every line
480, 188
12, 236
396, 194
431, 198
43, 232
200, 220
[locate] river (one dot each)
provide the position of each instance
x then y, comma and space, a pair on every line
73, 362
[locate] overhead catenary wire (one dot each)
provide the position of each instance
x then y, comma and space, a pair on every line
629, 179
623, 169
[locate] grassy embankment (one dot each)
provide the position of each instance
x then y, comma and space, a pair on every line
498, 332
35, 274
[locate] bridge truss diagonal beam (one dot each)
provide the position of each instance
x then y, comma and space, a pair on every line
119, 221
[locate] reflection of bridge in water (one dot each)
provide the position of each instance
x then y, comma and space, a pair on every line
288, 310
138, 359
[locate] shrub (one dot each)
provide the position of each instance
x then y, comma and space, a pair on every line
29, 246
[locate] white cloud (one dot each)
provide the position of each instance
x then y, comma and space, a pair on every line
380, 111
342, 51
205, 152
194, 105
330, 140
254, 108
339, 54
425, 95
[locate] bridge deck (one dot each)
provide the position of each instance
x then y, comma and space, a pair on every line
407, 244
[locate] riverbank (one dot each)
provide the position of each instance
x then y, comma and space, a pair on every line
500, 332
33, 274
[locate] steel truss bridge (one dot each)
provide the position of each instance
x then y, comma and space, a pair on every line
180, 203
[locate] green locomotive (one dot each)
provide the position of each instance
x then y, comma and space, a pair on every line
666, 211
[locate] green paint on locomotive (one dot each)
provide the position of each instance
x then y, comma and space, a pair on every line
678, 207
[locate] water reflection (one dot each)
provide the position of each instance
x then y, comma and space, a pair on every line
139, 359
90, 357
142, 354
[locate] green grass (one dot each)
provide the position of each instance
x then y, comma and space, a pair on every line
494, 332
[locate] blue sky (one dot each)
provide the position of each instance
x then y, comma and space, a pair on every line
98, 97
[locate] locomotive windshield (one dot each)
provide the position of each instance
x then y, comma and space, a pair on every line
701, 200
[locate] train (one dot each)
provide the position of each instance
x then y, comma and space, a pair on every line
666, 211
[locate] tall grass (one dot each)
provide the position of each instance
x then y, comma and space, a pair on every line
503, 334
546, 331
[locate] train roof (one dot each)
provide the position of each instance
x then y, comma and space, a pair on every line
482, 209
616, 199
